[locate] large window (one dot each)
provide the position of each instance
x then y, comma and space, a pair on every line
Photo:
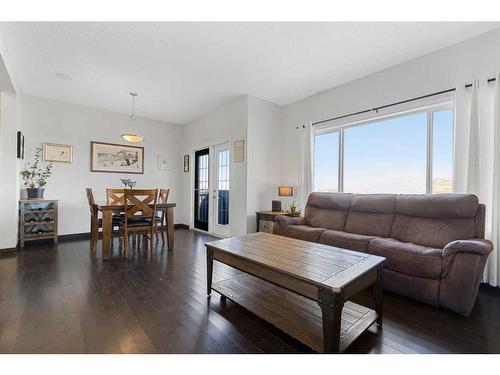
401, 153
326, 157
442, 151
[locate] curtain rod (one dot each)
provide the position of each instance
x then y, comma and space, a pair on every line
376, 109
488, 80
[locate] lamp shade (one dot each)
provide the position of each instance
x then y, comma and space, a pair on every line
285, 191
131, 137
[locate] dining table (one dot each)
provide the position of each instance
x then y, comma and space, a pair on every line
107, 223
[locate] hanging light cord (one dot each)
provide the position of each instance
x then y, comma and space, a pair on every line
132, 116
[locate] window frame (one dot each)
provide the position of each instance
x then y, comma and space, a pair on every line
443, 102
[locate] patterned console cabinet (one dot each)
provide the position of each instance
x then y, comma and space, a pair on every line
37, 220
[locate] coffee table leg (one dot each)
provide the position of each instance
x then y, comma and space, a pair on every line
210, 267
331, 307
378, 295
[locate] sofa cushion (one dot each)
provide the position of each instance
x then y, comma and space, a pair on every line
303, 232
439, 206
408, 258
435, 220
371, 214
327, 210
431, 232
420, 288
350, 241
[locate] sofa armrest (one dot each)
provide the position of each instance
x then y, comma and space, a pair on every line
290, 220
282, 221
476, 246
463, 266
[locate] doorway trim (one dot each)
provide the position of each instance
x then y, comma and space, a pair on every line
201, 205
210, 145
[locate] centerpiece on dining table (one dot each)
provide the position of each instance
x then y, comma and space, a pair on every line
128, 183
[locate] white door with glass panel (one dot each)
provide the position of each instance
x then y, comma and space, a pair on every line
221, 190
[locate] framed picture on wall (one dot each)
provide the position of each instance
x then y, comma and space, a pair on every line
57, 152
20, 145
186, 163
163, 162
116, 158
239, 151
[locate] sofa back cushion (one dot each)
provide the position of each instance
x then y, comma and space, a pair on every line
327, 210
435, 220
371, 214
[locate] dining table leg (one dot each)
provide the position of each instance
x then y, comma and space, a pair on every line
107, 229
170, 228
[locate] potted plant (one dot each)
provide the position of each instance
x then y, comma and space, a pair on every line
294, 210
35, 176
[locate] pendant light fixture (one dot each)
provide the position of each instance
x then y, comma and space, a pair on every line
131, 136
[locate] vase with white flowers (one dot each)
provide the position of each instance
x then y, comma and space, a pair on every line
35, 176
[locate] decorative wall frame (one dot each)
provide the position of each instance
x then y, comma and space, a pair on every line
239, 151
186, 163
20, 145
57, 152
163, 162
116, 158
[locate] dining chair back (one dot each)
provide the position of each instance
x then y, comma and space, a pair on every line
94, 220
91, 202
163, 195
160, 219
115, 197
140, 210
137, 203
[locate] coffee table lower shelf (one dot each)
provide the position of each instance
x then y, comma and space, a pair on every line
295, 315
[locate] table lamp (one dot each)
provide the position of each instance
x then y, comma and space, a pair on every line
283, 191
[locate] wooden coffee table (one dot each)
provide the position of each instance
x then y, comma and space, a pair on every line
300, 287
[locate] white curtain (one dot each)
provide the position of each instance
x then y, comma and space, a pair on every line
477, 157
305, 163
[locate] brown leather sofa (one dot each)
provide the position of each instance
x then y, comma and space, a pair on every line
433, 244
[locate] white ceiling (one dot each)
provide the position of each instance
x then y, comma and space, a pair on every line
183, 70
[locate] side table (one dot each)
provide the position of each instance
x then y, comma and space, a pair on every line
267, 219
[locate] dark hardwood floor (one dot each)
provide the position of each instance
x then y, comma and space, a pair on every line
60, 299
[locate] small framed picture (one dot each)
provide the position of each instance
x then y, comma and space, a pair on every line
163, 162
186, 163
20, 145
57, 152
239, 151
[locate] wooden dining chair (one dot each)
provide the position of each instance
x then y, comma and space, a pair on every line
140, 210
115, 197
161, 215
95, 222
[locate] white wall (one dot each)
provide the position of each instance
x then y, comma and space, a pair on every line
447, 68
265, 150
253, 182
9, 188
51, 121
227, 123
